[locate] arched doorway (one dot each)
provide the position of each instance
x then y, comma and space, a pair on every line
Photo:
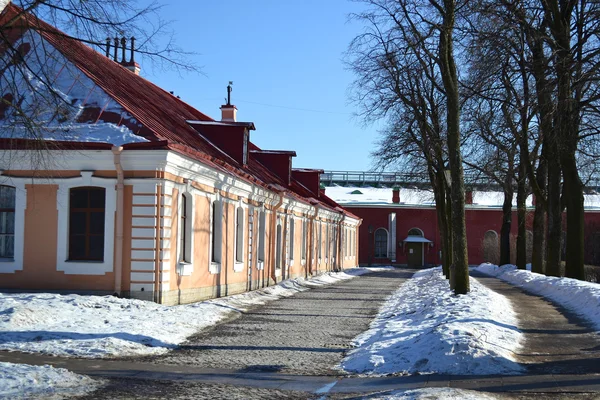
415, 252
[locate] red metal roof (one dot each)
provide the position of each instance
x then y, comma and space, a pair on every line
165, 118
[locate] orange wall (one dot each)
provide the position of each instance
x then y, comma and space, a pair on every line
40, 250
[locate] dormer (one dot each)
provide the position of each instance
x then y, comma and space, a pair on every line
309, 178
278, 161
231, 138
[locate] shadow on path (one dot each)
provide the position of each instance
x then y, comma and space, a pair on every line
557, 341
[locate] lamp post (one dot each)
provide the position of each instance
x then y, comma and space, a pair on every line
370, 244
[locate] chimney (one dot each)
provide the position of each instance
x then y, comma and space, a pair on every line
229, 111
131, 64
469, 196
396, 195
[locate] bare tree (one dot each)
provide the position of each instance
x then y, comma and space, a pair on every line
33, 105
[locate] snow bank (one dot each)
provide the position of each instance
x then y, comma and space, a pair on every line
106, 326
18, 381
433, 393
424, 328
581, 297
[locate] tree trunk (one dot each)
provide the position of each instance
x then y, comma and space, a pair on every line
554, 213
539, 222
521, 216
574, 267
441, 213
506, 224
450, 79
449, 256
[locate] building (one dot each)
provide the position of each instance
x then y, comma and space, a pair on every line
138, 194
400, 224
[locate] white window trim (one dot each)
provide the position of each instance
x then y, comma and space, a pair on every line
110, 207
214, 267
279, 247
186, 268
11, 265
237, 265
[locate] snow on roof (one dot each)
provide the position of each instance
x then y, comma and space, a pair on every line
417, 197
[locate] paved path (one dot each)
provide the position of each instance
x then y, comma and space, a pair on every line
556, 340
306, 334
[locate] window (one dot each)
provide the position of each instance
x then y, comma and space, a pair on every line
319, 243
7, 221
217, 236
239, 235
381, 243
304, 235
278, 248
292, 236
262, 220
185, 230
86, 223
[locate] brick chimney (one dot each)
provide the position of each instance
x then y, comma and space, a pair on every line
468, 196
229, 111
396, 195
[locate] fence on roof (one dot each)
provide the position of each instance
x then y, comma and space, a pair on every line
386, 179
392, 179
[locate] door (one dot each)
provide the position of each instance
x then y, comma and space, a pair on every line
414, 254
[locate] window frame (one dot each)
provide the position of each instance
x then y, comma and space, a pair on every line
88, 235
110, 207
185, 233
238, 234
12, 210
216, 231
11, 265
384, 242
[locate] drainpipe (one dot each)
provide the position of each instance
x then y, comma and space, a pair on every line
117, 150
157, 245
274, 235
312, 239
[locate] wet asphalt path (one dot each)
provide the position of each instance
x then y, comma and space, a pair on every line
306, 334
556, 340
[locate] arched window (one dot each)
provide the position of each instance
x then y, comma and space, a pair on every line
304, 239
86, 223
185, 230
278, 248
415, 232
239, 235
381, 239
292, 239
262, 221
7, 221
217, 236
320, 240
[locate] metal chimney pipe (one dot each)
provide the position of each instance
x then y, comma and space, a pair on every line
123, 44
131, 60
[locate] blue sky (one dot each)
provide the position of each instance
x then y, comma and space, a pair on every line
285, 59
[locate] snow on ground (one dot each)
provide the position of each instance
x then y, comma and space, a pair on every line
18, 381
581, 297
106, 326
433, 393
424, 328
